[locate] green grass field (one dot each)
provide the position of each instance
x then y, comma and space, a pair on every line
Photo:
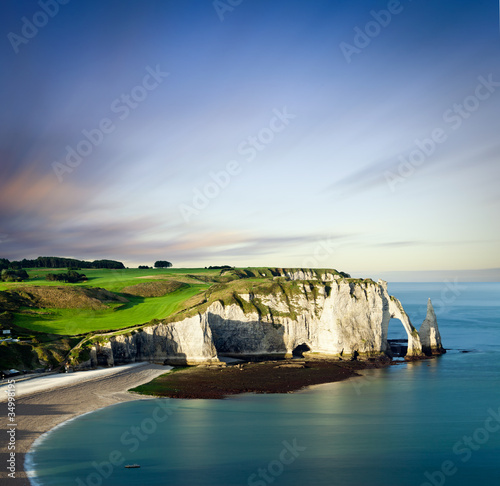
139, 310
114, 280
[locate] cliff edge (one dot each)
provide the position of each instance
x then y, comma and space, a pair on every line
276, 313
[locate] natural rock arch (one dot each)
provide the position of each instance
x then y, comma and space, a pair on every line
396, 311
397, 339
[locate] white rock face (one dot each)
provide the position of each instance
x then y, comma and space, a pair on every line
429, 333
304, 274
235, 332
334, 317
185, 342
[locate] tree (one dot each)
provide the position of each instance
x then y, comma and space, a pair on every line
23, 274
10, 275
107, 264
70, 277
162, 264
74, 277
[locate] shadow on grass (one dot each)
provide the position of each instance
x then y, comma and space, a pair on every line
133, 300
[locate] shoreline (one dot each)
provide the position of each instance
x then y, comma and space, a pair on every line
40, 412
43, 410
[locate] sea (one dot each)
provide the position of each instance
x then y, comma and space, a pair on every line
433, 422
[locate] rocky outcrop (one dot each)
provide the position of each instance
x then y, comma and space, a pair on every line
185, 342
429, 333
324, 313
302, 274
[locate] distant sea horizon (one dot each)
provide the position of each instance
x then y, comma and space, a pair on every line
432, 276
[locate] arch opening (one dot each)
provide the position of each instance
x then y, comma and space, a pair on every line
298, 351
397, 339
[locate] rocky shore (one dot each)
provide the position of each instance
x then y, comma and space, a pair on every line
284, 376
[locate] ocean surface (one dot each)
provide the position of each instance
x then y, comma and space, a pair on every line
433, 422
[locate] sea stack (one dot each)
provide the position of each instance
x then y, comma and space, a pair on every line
429, 333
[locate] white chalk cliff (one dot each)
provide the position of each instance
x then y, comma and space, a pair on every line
329, 315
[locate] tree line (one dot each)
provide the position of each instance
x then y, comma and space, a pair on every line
10, 275
59, 262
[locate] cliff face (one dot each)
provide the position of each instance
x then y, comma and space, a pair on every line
186, 342
326, 314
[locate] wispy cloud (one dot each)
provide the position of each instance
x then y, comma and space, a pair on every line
324, 175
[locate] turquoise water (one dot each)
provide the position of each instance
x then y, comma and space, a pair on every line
431, 422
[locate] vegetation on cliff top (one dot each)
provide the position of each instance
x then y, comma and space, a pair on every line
121, 300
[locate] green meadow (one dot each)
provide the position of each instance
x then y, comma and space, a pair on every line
114, 280
139, 310
116, 315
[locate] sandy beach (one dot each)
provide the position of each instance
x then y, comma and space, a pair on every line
42, 403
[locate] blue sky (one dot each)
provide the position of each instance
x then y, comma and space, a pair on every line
356, 135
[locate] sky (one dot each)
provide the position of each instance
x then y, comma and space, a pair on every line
356, 135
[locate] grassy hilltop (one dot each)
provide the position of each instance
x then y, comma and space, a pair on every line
52, 320
133, 297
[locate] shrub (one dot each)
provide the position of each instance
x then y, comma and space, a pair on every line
71, 277
9, 275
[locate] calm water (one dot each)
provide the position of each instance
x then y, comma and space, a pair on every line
390, 427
